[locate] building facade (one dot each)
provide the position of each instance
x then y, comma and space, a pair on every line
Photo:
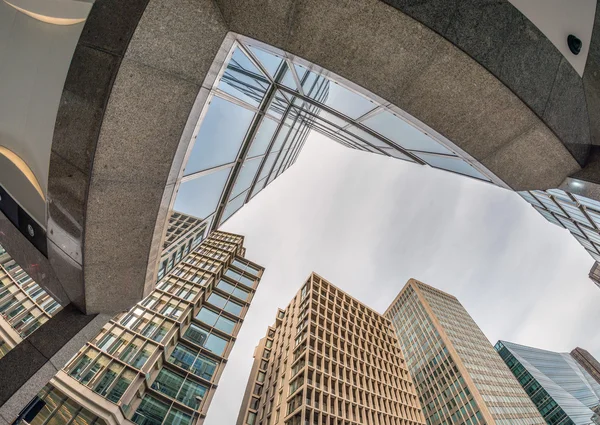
184, 233
459, 377
160, 362
587, 362
24, 305
562, 390
329, 360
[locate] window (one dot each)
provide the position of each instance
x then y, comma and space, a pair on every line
205, 339
191, 360
226, 304
176, 386
232, 274
236, 291
150, 412
213, 319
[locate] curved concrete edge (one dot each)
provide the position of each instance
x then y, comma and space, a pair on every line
500, 38
123, 128
407, 64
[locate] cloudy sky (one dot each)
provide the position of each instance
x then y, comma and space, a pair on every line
368, 223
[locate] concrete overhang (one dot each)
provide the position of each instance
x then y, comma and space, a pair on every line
142, 69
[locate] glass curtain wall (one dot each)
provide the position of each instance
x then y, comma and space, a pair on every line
257, 119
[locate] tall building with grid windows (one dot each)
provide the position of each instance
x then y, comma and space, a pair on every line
329, 360
563, 391
184, 233
459, 377
587, 362
24, 305
160, 362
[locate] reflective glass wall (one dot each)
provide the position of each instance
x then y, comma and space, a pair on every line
259, 113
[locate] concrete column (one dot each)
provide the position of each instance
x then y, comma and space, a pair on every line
29, 366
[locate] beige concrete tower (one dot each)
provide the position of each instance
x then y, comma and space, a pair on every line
329, 360
459, 377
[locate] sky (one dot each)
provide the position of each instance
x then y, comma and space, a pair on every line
368, 223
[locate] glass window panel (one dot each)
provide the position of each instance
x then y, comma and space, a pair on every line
200, 196
218, 141
225, 286
233, 308
196, 334
402, 133
122, 383
594, 216
168, 382
191, 394
240, 293
300, 71
530, 198
243, 80
204, 367
587, 244
591, 234
278, 105
570, 225
233, 206
207, 316
225, 325
216, 344
560, 194
375, 141
281, 136
288, 80
183, 356
262, 138
573, 211
452, 164
177, 417
258, 187
344, 100
217, 300
245, 176
397, 154
269, 61
588, 202
150, 412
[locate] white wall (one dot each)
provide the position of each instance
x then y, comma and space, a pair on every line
34, 60
559, 18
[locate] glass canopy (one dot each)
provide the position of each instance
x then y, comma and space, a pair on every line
259, 114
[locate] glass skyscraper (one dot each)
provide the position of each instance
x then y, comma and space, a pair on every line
563, 391
160, 362
459, 377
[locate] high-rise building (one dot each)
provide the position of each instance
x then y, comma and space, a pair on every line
184, 233
160, 362
587, 361
24, 305
595, 273
329, 360
459, 377
562, 390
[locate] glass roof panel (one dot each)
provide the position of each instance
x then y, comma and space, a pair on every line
369, 138
591, 234
268, 60
233, 206
570, 225
288, 80
263, 137
345, 101
397, 154
402, 133
243, 80
283, 132
300, 71
451, 163
530, 198
268, 165
218, 142
200, 196
245, 176
278, 105
588, 202
549, 216
258, 187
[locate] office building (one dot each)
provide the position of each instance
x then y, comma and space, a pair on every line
24, 305
562, 390
587, 362
328, 360
459, 377
184, 233
160, 362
